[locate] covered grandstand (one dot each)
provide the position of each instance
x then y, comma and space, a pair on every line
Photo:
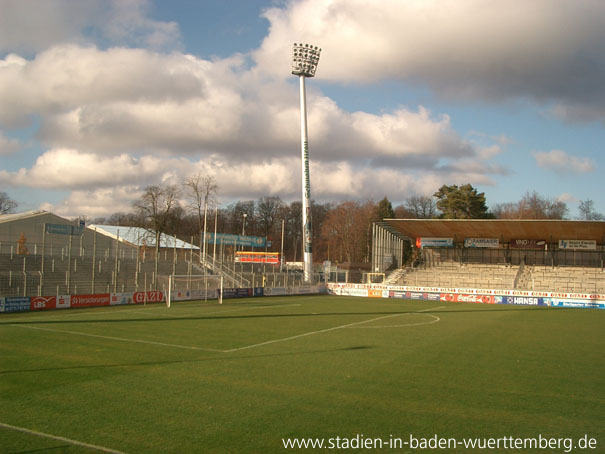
42, 253
549, 255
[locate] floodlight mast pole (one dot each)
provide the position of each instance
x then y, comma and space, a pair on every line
304, 63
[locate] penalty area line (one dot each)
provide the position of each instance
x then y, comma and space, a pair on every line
123, 339
59, 438
348, 325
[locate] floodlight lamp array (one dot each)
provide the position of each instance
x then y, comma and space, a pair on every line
305, 58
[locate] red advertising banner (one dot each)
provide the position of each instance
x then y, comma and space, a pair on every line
464, 298
90, 300
40, 303
528, 244
147, 297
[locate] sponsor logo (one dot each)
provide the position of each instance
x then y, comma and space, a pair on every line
148, 297
39, 303
482, 242
465, 298
90, 300
578, 244
523, 300
528, 244
63, 301
118, 299
14, 304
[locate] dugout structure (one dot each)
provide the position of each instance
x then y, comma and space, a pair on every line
491, 241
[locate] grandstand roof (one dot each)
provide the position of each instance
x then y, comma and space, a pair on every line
25, 215
138, 236
504, 229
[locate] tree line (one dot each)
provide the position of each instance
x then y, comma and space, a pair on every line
341, 231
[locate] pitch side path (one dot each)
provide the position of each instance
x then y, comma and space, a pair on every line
263, 375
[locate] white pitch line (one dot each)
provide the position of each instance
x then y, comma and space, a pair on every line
56, 437
142, 311
123, 339
436, 319
249, 309
170, 316
432, 309
188, 347
322, 331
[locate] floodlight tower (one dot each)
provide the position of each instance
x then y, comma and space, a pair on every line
305, 58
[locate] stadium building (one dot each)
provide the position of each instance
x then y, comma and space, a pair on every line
549, 255
44, 254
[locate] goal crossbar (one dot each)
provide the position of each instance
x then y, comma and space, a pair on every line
194, 287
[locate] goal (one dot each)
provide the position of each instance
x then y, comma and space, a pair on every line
196, 287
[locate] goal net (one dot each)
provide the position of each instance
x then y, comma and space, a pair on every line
189, 288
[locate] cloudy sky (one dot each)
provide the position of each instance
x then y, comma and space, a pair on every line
100, 98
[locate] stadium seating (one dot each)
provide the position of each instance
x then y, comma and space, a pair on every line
565, 279
541, 278
453, 275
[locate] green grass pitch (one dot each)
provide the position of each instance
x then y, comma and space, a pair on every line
242, 376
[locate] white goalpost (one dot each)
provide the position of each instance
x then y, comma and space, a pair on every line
189, 288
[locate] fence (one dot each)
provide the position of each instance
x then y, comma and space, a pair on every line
510, 256
92, 263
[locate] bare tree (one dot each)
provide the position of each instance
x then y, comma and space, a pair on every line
587, 211
421, 206
156, 206
345, 230
7, 205
532, 206
268, 209
201, 189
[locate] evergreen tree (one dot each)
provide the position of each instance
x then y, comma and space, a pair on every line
462, 202
385, 209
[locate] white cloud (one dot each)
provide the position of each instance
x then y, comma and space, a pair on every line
30, 26
548, 50
8, 146
567, 198
95, 202
114, 121
561, 162
125, 100
70, 169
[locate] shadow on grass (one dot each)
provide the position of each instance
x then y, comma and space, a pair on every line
214, 358
440, 310
61, 449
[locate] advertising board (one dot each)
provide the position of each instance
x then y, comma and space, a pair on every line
14, 304
90, 300
528, 244
523, 300
584, 245
436, 242
558, 302
228, 239
482, 242
118, 299
470, 298
195, 294
63, 301
64, 229
237, 292
40, 303
353, 291
148, 297
273, 291
489, 296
